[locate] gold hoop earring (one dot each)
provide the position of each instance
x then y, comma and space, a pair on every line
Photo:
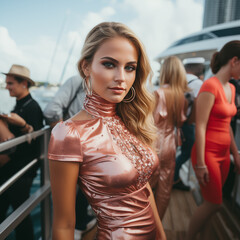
87, 85
133, 95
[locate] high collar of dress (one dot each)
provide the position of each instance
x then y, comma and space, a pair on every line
99, 107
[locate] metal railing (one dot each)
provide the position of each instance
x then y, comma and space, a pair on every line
42, 195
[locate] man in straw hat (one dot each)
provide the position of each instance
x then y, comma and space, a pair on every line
26, 117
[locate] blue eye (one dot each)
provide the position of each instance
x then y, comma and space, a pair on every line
108, 64
130, 68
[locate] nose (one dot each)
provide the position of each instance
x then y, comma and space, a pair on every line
120, 74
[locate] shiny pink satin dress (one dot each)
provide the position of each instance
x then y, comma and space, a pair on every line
166, 144
114, 168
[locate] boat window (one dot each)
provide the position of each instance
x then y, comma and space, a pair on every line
227, 32
195, 38
205, 36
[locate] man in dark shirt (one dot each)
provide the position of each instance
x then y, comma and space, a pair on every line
26, 117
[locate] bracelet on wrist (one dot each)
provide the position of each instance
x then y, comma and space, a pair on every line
200, 167
24, 125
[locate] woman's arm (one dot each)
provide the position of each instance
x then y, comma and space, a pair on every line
234, 151
204, 105
160, 230
64, 176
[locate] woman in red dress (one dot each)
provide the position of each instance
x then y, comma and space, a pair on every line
214, 138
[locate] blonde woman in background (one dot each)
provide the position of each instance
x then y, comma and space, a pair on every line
169, 117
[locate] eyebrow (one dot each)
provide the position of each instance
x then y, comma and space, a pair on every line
116, 61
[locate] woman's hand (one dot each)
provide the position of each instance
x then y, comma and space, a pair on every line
15, 119
202, 174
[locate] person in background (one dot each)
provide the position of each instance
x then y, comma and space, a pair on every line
66, 103
214, 138
106, 146
195, 69
229, 184
26, 117
169, 115
236, 84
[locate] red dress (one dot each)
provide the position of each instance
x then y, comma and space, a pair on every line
218, 140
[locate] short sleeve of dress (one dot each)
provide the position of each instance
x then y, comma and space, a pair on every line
160, 110
210, 86
65, 143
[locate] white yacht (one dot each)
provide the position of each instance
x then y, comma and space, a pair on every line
203, 43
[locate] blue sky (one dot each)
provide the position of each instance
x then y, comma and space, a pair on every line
29, 29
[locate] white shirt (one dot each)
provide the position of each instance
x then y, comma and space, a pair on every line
69, 99
194, 83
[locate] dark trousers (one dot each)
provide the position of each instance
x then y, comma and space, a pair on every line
229, 184
82, 218
188, 131
15, 196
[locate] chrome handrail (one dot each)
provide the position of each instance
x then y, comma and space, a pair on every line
18, 140
42, 195
16, 176
20, 213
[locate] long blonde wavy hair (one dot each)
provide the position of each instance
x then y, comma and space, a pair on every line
136, 115
173, 73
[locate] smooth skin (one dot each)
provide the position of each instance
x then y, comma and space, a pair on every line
112, 72
204, 105
113, 69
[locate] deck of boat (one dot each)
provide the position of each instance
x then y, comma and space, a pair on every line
176, 219
178, 214
175, 222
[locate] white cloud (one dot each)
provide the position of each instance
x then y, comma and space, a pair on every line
8, 50
160, 22
7, 44
157, 22
37, 56
107, 12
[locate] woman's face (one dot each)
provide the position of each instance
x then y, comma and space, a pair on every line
113, 69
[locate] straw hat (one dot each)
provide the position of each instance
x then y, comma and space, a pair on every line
20, 71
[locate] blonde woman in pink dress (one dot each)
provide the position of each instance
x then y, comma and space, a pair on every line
106, 147
169, 117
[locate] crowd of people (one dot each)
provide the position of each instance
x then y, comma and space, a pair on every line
112, 152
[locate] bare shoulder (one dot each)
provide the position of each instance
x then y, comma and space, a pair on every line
82, 115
